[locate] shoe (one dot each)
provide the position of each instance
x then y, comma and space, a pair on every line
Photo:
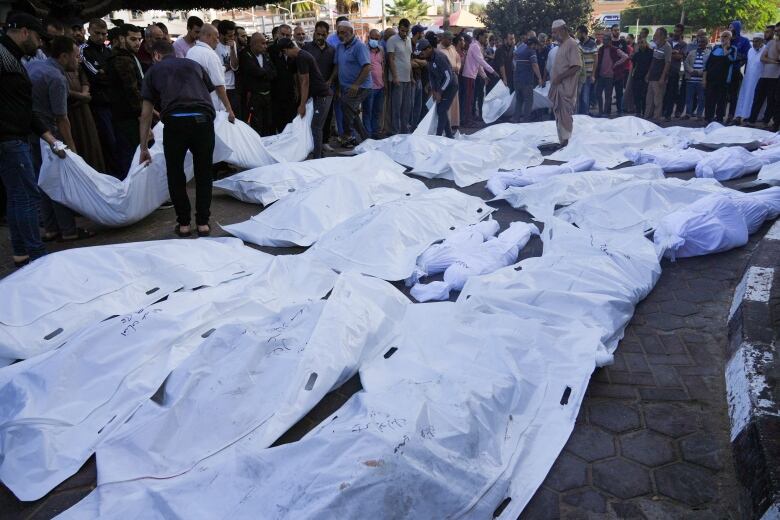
81, 234
205, 233
182, 234
328, 148
166, 205
21, 263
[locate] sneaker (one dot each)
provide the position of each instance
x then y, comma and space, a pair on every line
328, 148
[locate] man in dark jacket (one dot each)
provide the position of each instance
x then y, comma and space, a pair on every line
257, 73
443, 83
17, 120
285, 100
125, 76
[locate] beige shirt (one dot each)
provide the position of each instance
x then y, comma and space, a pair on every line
453, 56
568, 55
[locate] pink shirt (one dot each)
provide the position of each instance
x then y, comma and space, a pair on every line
181, 47
474, 60
377, 68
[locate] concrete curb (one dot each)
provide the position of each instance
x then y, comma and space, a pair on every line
752, 374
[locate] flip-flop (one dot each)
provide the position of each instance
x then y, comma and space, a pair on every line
81, 234
21, 263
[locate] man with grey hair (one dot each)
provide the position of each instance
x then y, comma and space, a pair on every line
152, 34
299, 36
563, 80
353, 67
203, 53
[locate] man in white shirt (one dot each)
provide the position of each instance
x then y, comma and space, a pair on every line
203, 53
187, 42
228, 53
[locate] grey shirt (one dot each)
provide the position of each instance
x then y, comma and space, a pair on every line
49, 91
402, 53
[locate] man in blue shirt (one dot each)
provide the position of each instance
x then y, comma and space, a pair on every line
353, 66
526, 71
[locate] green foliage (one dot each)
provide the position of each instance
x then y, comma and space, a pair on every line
414, 10
520, 16
754, 14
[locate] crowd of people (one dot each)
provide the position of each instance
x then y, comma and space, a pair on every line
99, 92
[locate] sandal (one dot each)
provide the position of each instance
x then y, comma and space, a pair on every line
21, 263
205, 233
180, 233
81, 234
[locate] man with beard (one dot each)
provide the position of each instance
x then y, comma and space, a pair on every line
324, 54
563, 81
504, 61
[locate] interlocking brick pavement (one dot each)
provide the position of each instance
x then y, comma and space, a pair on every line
651, 439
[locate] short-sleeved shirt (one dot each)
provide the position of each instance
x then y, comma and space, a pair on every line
323, 57
402, 54
661, 56
772, 52
223, 51
205, 56
350, 59
377, 68
181, 47
49, 91
178, 85
308, 65
524, 59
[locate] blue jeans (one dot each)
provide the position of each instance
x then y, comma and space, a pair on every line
694, 90
24, 200
372, 112
583, 106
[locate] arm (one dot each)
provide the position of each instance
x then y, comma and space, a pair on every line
667, 66
63, 124
391, 61
595, 66
537, 73
144, 125
476, 54
304, 88
623, 57
233, 57
364, 72
222, 95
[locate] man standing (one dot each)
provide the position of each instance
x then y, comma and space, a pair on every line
125, 76
50, 103
299, 35
17, 120
181, 88
399, 60
504, 61
657, 75
242, 40
257, 72
767, 84
443, 82
719, 73
475, 64
449, 50
228, 54
563, 81
588, 50
77, 32
672, 94
203, 54
527, 76
695, 63
283, 95
311, 85
95, 54
372, 106
186, 42
152, 34
418, 66
353, 65
324, 54
608, 69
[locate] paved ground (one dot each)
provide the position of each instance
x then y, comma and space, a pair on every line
651, 440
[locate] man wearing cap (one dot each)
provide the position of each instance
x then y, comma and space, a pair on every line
311, 85
563, 81
449, 50
353, 68
527, 76
399, 60
443, 83
17, 121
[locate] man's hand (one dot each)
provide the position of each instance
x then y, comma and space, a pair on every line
58, 148
436, 96
353, 91
144, 156
396, 83
302, 110
541, 83
231, 116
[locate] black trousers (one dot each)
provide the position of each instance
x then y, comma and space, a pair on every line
260, 113
443, 111
715, 98
672, 95
283, 111
765, 91
196, 134
639, 89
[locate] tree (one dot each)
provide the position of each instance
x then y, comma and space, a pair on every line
754, 14
414, 10
520, 16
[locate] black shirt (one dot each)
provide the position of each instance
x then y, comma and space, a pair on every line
306, 65
505, 56
95, 58
283, 86
179, 85
17, 120
323, 57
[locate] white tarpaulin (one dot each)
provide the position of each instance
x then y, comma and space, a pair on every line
637, 205
496, 102
385, 241
428, 124
541, 198
674, 160
525, 134
770, 172
709, 225
302, 217
411, 150
476, 259
268, 184
106, 200
52, 298
249, 150
268, 372
756, 206
66, 401
501, 180
727, 163
715, 135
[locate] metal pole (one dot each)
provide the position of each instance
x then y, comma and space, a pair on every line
383, 16
445, 24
